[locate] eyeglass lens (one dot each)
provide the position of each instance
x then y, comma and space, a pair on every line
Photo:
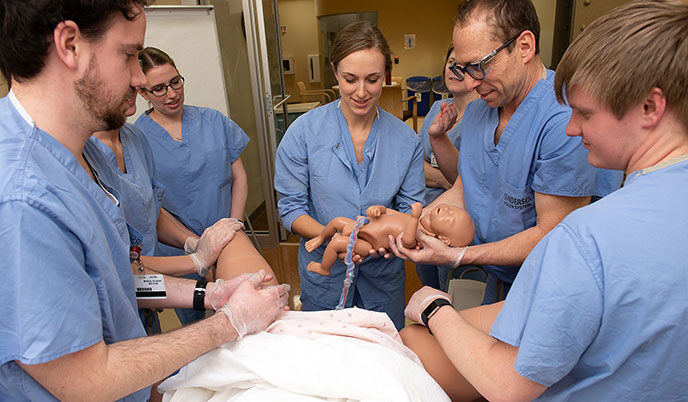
176, 84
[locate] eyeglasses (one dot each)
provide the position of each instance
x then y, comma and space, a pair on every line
161, 90
477, 70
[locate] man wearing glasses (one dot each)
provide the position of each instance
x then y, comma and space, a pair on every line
518, 173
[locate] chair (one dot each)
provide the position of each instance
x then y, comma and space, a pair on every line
326, 94
413, 113
466, 293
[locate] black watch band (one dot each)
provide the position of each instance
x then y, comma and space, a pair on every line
432, 308
199, 295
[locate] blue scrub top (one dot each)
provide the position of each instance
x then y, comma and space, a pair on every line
67, 280
533, 154
599, 309
140, 194
454, 135
317, 174
196, 172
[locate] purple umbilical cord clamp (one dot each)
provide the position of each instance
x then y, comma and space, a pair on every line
349, 279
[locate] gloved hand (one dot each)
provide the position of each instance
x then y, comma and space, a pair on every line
211, 243
191, 244
220, 291
422, 299
251, 308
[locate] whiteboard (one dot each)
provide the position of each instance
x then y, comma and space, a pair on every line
189, 35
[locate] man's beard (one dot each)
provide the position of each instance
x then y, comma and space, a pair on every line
89, 90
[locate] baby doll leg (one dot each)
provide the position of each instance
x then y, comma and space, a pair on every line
239, 256
336, 246
334, 226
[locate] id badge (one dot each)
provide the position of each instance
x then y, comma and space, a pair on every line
149, 287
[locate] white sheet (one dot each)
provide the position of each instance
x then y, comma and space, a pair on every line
346, 355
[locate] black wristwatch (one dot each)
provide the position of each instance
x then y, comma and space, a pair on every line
199, 295
433, 308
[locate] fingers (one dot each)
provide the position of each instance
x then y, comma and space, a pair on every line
394, 247
256, 278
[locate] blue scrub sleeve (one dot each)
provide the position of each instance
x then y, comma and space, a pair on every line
554, 309
291, 175
236, 138
48, 303
562, 166
413, 187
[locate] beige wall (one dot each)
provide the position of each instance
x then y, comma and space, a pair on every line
300, 40
546, 10
431, 22
3, 86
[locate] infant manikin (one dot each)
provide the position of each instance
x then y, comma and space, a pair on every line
452, 225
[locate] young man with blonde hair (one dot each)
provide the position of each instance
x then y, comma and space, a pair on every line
598, 311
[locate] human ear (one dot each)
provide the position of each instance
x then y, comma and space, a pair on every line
654, 107
68, 43
444, 239
525, 45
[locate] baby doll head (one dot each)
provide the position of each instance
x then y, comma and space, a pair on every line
450, 224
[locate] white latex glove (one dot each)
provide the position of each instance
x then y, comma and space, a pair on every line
211, 243
191, 244
433, 251
251, 308
422, 299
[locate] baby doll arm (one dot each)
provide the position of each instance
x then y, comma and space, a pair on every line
409, 238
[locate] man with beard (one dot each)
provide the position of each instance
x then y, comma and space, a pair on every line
70, 327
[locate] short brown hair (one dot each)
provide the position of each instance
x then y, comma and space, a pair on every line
359, 36
509, 17
622, 55
152, 57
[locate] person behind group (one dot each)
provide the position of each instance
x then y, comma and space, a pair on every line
435, 182
70, 328
123, 161
197, 155
341, 158
518, 174
598, 311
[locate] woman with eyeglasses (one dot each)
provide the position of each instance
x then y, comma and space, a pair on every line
197, 155
435, 182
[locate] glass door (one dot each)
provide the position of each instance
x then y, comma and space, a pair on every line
250, 49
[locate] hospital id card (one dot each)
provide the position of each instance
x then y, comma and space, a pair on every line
149, 287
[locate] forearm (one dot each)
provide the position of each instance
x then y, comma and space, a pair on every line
488, 364
110, 372
239, 190
179, 293
175, 265
306, 227
171, 231
512, 250
447, 156
453, 196
434, 177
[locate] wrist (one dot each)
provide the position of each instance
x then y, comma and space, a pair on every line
199, 295
432, 308
210, 287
